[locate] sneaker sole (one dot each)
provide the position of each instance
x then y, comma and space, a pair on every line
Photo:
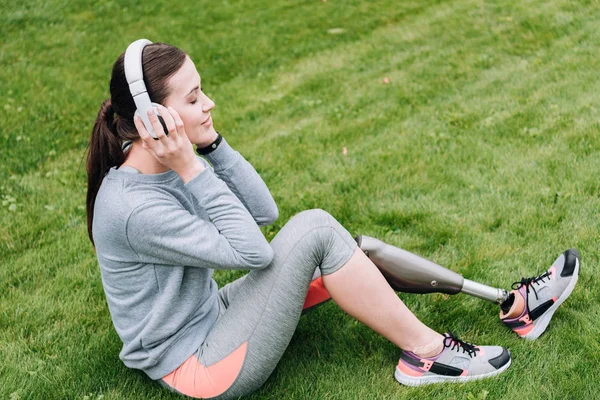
542, 322
426, 380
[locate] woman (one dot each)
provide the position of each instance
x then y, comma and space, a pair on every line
162, 219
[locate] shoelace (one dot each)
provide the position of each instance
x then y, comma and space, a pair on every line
528, 283
452, 341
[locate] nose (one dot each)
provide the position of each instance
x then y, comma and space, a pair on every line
208, 105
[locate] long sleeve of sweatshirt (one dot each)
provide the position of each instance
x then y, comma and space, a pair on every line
243, 180
161, 231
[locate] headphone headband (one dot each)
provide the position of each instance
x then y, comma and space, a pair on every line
134, 74
133, 66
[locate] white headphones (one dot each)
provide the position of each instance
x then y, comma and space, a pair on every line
135, 78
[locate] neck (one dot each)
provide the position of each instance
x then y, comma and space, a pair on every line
140, 159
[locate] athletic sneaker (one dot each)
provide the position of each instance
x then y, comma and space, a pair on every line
540, 296
458, 362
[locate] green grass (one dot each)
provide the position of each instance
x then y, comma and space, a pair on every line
480, 154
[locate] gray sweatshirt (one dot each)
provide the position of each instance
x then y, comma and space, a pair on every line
158, 241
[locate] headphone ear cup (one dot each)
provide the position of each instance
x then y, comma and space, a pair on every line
162, 122
138, 114
160, 119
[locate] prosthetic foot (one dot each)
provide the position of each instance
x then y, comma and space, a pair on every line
407, 272
533, 301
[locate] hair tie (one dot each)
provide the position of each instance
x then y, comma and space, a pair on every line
109, 115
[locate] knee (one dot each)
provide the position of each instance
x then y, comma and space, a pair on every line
316, 217
320, 221
325, 239
321, 225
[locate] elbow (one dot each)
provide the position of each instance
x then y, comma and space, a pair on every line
270, 216
273, 214
260, 259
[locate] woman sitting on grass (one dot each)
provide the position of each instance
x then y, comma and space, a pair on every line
162, 219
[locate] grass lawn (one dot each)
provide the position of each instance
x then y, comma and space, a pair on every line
480, 153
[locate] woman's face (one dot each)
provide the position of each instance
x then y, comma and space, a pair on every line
193, 106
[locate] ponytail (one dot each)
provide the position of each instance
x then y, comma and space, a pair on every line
105, 153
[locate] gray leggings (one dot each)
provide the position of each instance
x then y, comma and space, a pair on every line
260, 311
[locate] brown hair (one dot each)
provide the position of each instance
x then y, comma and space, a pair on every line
114, 123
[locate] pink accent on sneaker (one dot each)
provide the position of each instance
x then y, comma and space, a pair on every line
552, 271
407, 370
523, 330
525, 318
554, 299
481, 351
427, 364
464, 373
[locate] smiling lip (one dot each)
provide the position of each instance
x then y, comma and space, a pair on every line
208, 121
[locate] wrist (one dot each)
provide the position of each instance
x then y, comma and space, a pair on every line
190, 171
204, 150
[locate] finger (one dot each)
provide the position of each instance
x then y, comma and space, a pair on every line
148, 142
169, 121
142, 131
158, 129
178, 122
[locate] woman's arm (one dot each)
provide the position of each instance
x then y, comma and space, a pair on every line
243, 180
161, 231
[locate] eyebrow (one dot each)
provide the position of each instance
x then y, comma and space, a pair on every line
190, 92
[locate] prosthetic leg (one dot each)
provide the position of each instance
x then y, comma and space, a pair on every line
407, 272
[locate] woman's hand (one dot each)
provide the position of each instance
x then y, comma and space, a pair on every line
174, 151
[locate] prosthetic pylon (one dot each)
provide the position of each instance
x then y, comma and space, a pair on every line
407, 272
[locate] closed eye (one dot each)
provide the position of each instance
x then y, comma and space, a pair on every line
196, 99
